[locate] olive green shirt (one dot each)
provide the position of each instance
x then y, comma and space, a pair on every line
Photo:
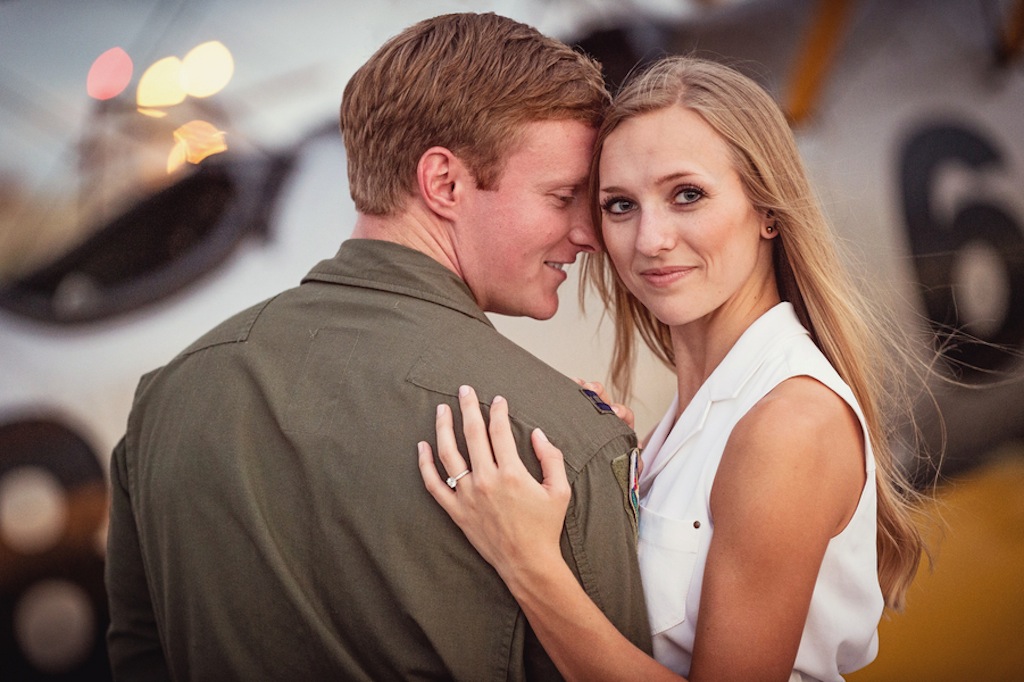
268, 520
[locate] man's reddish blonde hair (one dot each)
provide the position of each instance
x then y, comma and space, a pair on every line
467, 82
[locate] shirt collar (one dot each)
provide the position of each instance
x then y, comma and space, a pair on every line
387, 266
752, 348
726, 382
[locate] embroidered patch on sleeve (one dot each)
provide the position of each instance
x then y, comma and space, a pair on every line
625, 470
600, 405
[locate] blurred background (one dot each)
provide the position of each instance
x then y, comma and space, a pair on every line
166, 163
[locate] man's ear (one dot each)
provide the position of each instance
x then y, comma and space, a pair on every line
442, 177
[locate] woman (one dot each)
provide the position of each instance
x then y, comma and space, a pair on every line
769, 485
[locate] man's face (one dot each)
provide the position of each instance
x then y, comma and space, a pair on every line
516, 241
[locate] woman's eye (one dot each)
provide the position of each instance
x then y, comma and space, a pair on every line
688, 195
617, 206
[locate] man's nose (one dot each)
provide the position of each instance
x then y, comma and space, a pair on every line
583, 233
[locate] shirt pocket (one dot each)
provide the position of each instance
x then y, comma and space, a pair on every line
667, 552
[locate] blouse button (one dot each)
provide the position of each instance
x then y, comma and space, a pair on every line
696, 524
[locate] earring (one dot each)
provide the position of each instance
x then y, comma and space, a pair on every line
769, 229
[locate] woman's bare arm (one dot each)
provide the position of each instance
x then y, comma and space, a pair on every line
789, 480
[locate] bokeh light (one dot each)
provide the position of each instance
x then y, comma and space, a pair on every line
33, 510
109, 75
55, 625
206, 69
161, 84
195, 141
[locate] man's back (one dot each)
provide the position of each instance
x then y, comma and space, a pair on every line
283, 525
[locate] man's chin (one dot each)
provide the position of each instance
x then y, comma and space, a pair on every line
537, 311
545, 308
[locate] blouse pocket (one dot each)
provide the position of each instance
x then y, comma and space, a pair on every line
667, 552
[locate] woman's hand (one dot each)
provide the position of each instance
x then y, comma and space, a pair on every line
511, 519
515, 523
621, 411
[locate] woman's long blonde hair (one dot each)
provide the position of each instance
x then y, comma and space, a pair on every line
849, 331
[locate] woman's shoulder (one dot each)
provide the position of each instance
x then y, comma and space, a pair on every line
801, 418
801, 442
803, 401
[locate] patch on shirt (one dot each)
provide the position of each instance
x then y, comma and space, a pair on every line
626, 470
634, 480
600, 405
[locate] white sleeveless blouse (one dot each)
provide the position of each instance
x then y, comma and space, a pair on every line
676, 527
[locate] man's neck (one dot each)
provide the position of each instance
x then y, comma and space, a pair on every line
412, 230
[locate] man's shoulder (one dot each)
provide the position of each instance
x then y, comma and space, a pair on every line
538, 395
234, 329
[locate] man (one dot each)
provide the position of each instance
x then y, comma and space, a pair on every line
268, 520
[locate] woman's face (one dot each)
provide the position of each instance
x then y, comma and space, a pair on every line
676, 222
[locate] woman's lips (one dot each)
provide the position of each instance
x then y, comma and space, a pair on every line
661, 277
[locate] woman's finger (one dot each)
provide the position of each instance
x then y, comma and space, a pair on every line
598, 388
552, 465
625, 414
437, 488
502, 441
481, 457
447, 447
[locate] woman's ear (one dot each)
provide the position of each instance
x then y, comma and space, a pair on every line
441, 176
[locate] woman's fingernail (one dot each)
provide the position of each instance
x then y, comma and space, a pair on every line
463, 391
440, 409
540, 434
497, 399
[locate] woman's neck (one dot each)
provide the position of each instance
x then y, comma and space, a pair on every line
701, 345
